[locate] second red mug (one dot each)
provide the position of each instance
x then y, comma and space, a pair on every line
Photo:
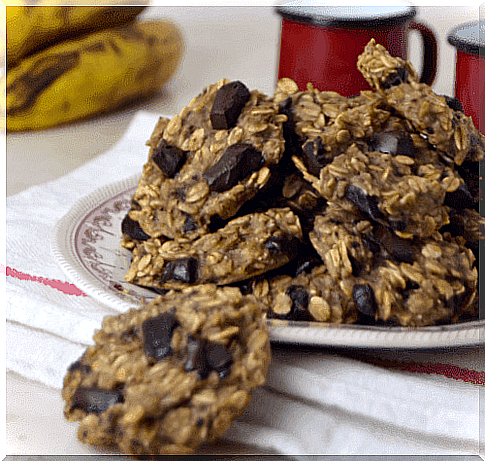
321, 44
469, 41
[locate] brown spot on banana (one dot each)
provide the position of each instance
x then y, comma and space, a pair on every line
97, 47
30, 85
115, 47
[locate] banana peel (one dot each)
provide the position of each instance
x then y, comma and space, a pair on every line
79, 78
32, 28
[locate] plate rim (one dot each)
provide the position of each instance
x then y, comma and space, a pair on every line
304, 333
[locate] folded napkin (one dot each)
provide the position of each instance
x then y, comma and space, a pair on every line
315, 401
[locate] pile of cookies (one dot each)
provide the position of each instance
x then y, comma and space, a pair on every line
303, 206
340, 197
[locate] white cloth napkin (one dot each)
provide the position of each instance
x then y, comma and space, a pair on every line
314, 402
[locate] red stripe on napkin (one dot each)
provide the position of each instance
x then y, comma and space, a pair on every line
67, 288
442, 369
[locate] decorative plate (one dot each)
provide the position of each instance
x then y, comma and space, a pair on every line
87, 247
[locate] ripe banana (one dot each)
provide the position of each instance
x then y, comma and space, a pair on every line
99, 72
31, 28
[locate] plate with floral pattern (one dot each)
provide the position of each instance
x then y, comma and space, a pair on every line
87, 247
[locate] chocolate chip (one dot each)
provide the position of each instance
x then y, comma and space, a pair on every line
398, 77
238, 162
453, 103
196, 357
183, 270
189, 225
394, 143
364, 202
157, 335
78, 365
314, 156
372, 244
219, 359
170, 159
292, 140
402, 250
299, 298
132, 229
284, 244
364, 299
460, 198
96, 400
228, 104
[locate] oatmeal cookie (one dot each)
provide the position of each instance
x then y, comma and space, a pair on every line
208, 160
323, 124
434, 116
247, 246
389, 187
412, 282
171, 375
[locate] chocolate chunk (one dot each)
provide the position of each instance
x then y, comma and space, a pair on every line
372, 244
78, 365
189, 224
460, 198
364, 299
96, 400
453, 103
170, 159
314, 156
285, 244
157, 335
132, 229
394, 143
299, 298
366, 203
183, 270
196, 357
292, 140
398, 77
237, 163
402, 250
228, 104
219, 359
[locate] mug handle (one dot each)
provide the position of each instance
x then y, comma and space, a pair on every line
430, 54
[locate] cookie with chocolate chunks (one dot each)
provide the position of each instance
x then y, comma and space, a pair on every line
410, 282
436, 117
169, 376
246, 247
208, 160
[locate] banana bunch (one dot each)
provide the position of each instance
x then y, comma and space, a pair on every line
66, 63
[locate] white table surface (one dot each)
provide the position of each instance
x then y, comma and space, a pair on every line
233, 42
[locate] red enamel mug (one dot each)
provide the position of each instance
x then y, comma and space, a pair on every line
320, 44
469, 41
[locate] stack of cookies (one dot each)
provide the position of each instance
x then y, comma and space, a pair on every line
303, 206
